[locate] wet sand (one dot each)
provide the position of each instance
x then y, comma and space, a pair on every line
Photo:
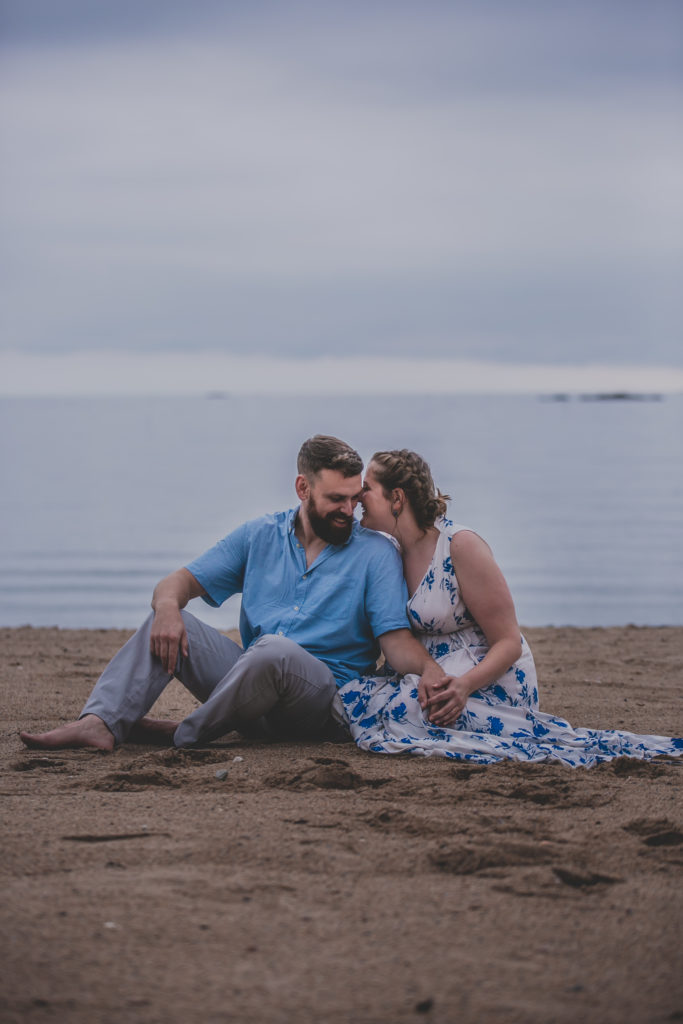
316, 882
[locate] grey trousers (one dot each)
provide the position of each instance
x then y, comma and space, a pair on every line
274, 689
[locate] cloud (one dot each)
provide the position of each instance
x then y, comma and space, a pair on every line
290, 180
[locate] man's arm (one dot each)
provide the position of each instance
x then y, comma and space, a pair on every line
406, 655
168, 634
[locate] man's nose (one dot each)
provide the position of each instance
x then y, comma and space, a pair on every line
348, 506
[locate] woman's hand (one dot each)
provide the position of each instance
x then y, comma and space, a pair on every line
445, 705
431, 682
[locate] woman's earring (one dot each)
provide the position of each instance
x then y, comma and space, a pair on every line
395, 512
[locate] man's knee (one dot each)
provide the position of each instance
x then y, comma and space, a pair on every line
198, 630
278, 654
273, 647
189, 619
273, 657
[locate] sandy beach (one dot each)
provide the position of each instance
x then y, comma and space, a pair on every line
315, 882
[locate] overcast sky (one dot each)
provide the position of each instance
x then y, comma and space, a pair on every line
492, 180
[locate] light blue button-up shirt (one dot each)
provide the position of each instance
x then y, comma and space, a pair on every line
335, 608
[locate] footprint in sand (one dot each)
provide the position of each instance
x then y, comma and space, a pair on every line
632, 766
583, 880
325, 773
656, 831
551, 793
184, 757
53, 764
134, 781
467, 859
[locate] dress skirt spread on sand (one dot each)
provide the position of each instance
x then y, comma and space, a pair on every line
500, 722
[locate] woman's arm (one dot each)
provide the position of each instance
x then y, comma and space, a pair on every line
487, 597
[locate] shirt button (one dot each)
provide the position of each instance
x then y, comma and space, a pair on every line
296, 607
280, 633
305, 576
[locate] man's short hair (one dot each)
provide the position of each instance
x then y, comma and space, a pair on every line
324, 452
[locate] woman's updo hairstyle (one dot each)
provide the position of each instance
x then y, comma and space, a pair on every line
407, 470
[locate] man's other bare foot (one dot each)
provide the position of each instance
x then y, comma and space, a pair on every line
89, 731
154, 731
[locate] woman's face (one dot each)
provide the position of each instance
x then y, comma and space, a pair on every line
376, 507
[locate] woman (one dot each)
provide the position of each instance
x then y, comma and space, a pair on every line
462, 611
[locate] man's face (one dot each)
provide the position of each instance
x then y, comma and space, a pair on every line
329, 505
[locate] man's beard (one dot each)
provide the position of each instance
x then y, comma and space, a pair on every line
325, 528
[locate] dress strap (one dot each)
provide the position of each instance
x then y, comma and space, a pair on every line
449, 528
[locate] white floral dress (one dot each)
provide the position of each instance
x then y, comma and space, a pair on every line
500, 722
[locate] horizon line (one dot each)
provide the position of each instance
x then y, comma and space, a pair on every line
166, 373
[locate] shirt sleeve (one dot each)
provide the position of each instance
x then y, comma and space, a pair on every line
386, 593
220, 570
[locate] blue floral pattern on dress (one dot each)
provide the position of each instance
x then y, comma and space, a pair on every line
500, 722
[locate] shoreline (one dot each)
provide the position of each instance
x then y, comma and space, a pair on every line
318, 882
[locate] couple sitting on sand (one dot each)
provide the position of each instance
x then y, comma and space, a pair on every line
321, 595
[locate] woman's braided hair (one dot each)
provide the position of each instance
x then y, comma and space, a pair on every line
409, 471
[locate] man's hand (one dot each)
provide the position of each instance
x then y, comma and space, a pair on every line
168, 636
432, 682
447, 702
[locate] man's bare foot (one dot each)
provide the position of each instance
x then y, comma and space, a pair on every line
155, 731
89, 731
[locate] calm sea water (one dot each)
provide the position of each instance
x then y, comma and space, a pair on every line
582, 501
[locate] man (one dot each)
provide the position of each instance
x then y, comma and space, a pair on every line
319, 593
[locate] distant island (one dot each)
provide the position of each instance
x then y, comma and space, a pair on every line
609, 396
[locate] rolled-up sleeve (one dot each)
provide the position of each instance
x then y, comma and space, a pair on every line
220, 570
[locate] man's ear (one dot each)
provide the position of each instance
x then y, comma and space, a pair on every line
302, 487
